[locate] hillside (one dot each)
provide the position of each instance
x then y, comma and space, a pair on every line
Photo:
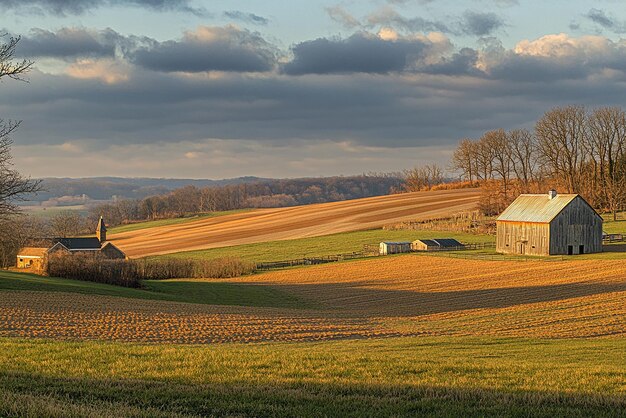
294, 222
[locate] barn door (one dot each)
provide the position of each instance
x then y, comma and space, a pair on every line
522, 248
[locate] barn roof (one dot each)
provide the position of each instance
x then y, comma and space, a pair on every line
75, 244
32, 252
538, 208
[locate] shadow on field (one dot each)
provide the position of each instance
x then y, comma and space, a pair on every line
23, 394
362, 298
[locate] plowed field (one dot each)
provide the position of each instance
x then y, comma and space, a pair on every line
390, 296
295, 222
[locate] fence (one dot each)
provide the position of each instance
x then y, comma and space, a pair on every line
613, 238
309, 261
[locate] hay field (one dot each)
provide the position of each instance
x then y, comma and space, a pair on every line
384, 297
295, 222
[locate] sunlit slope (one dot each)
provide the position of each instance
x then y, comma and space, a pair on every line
294, 222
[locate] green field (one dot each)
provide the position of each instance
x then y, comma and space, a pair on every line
392, 377
173, 221
191, 291
346, 242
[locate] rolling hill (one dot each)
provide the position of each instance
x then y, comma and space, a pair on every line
294, 222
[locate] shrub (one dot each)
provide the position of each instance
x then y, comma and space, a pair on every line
130, 273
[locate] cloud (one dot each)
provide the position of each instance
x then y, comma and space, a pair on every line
362, 53
246, 17
79, 7
602, 19
480, 24
69, 43
388, 16
140, 117
343, 17
209, 49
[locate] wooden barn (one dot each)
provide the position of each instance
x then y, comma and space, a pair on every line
394, 248
549, 224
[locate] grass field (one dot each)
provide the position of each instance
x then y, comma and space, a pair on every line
389, 336
342, 243
264, 225
190, 291
391, 377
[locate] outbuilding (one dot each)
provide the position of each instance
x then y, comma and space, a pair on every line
437, 244
549, 224
394, 247
32, 258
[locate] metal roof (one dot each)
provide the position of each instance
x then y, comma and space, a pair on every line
448, 242
74, 244
538, 208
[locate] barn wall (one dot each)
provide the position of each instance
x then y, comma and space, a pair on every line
578, 224
524, 238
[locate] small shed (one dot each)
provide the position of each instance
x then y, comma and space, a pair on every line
424, 245
437, 244
549, 224
31, 258
394, 247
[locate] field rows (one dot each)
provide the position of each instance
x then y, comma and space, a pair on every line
295, 222
383, 297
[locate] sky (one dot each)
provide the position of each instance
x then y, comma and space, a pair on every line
276, 88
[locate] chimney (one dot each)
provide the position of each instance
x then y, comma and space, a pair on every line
101, 231
552, 194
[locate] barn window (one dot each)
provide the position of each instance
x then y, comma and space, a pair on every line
21, 260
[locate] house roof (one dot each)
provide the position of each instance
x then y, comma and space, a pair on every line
75, 244
32, 252
538, 208
396, 242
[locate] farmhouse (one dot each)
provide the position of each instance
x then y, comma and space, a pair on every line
437, 244
34, 258
549, 224
394, 247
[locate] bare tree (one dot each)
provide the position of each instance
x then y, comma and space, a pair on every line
13, 185
561, 135
423, 178
524, 156
499, 149
66, 223
464, 159
606, 146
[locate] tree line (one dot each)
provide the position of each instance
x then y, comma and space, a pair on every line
191, 200
571, 149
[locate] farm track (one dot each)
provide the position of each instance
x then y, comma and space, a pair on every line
383, 297
294, 222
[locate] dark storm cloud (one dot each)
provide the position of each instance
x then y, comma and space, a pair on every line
209, 49
480, 24
360, 53
599, 17
78, 7
69, 43
246, 17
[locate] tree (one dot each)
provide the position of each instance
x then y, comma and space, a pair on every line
523, 148
561, 135
66, 223
13, 185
